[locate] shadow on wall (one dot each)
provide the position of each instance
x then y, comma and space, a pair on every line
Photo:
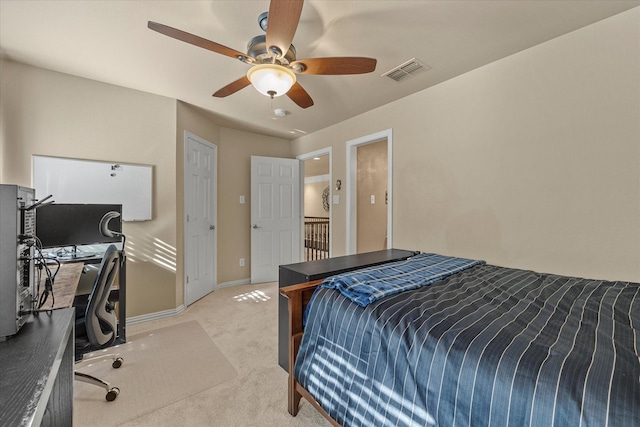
151, 249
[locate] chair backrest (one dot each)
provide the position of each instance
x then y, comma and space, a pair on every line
99, 321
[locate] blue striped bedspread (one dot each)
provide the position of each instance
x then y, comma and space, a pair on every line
489, 346
371, 284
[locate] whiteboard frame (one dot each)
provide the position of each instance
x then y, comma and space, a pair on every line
72, 180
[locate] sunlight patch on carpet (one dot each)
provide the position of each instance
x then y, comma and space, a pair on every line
253, 296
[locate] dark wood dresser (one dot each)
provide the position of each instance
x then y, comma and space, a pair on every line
36, 384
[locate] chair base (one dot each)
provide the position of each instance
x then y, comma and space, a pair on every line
112, 392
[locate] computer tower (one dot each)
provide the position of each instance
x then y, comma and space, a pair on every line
17, 240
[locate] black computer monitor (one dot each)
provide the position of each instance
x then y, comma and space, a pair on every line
65, 224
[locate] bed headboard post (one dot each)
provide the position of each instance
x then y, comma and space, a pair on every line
298, 298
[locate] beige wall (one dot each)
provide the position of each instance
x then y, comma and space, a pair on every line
532, 161
234, 179
235, 149
54, 114
313, 205
48, 113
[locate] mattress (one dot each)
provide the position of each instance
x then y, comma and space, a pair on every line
487, 346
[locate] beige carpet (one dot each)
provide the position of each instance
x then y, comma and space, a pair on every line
161, 366
242, 321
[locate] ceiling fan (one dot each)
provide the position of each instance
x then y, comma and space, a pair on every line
273, 57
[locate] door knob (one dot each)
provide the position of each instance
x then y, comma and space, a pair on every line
255, 226
212, 227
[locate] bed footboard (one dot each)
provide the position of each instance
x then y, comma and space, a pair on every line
298, 297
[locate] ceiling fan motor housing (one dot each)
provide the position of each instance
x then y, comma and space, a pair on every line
257, 49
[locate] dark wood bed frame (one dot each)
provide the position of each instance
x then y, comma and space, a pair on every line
298, 297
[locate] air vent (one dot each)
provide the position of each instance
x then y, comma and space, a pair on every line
406, 70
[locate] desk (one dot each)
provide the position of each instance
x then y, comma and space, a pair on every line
66, 283
36, 385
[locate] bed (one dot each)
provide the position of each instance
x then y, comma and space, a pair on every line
465, 343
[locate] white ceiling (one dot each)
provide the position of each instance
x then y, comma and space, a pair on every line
109, 41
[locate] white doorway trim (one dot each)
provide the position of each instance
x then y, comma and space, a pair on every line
308, 156
352, 186
214, 198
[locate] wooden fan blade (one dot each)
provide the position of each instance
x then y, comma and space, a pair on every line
300, 96
282, 23
232, 88
340, 65
195, 40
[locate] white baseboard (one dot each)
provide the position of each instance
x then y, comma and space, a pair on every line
234, 283
154, 316
173, 312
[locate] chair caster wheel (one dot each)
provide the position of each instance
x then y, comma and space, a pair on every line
117, 362
112, 394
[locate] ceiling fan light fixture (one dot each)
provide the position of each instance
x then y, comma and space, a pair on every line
271, 79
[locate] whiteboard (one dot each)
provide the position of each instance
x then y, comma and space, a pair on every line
89, 181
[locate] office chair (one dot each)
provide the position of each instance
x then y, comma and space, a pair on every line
96, 325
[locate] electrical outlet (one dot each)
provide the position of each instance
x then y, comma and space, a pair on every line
241, 262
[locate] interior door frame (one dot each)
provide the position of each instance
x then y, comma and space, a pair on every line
308, 156
214, 197
352, 187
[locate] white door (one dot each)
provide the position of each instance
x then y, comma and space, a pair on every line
275, 216
199, 217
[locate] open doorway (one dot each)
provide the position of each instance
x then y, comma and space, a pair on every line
369, 193
371, 197
316, 205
